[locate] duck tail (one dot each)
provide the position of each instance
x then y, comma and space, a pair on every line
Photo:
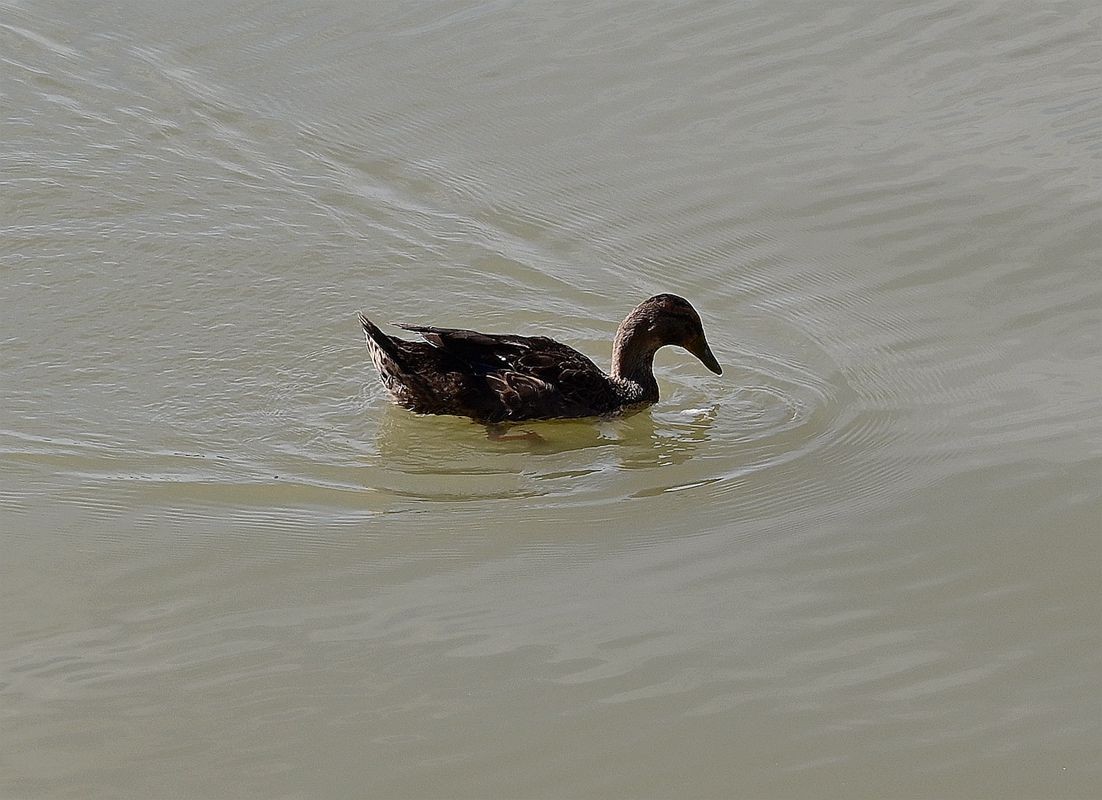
377, 339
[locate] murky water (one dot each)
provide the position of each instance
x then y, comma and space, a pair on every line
864, 562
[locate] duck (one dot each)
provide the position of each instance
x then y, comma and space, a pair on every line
497, 379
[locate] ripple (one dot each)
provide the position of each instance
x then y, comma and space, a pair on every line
711, 439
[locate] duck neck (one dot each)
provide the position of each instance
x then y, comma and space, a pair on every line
633, 359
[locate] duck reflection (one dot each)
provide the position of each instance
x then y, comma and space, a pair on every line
449, 445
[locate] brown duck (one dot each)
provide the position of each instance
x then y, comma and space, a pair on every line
495, 378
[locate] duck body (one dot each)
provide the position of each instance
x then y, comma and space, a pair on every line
501, 378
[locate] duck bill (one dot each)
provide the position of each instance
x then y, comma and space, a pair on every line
701, 350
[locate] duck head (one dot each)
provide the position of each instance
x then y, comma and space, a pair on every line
656, 322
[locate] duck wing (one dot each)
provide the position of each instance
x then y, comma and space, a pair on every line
528, 377
484, 350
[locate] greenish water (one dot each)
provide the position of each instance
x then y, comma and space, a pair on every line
864, 562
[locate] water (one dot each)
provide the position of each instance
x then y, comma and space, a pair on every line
863, 562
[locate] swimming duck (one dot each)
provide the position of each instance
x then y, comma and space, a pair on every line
500, 378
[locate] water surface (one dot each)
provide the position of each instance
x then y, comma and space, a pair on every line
863, 562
